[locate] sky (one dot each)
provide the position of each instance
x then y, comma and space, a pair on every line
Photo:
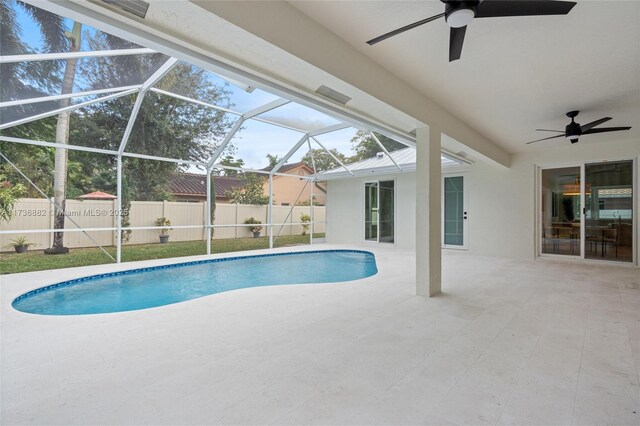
256, 139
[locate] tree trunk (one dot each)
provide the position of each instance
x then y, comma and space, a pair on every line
62, 137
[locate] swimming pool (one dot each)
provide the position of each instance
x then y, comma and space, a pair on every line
163, 285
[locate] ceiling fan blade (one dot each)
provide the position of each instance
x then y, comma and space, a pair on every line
549, 130
403, 29
605, 130
594, 124
456, 40
552, 137
497, 8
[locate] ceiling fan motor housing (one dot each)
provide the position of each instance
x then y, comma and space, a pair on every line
573, 131
460, 13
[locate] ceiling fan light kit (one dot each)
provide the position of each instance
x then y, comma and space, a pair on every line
460, 13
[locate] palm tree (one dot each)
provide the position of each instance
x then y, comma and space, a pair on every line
56, 38
62, 137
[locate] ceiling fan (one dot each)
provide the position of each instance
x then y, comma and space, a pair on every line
574, 130
458, 14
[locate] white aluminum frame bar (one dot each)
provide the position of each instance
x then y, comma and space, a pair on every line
227, 110
160, 72
329, 129
313, 160
165, 159
311, 212
57, 145
9, 59
131, 122
289, 154
68, 95
266, 108
68, 108
137, 228
375, 138
333, 156
274, 123
119, 207
218, 152
208, 211
102, 151
270, 211
194, 101
293, 206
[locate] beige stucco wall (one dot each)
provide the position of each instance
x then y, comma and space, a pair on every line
286, 190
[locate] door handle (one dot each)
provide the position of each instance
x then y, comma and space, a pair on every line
464, 216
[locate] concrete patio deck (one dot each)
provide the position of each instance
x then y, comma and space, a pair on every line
509, 342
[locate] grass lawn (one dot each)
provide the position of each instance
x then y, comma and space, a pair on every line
36, 260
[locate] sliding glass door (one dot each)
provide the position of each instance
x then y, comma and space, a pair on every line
561, 211
609, 211
379, 211
587, 211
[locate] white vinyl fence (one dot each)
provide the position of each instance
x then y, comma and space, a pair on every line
37, 214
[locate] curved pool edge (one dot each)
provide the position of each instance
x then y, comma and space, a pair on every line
79, 280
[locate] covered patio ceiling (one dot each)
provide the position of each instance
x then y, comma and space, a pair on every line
516, 74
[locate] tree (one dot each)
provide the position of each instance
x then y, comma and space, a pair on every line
364, 145
62, 137
9, 194
251, 192
323, 160
23, 81
273, 160
230, 161
165, 126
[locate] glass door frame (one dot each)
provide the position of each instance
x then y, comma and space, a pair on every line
538, 240
395, 209
465, 220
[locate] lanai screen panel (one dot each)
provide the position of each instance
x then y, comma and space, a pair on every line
340, 145
299, 117
25, 82
100, 125
255, 140
173, 128
212, 89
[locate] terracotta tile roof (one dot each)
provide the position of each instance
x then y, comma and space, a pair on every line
196, 184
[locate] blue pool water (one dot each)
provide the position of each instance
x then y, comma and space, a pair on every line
164, 285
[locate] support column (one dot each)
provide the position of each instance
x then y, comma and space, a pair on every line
428, 212
119, 208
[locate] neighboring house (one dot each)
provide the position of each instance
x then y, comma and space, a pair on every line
192, 187
286, 190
